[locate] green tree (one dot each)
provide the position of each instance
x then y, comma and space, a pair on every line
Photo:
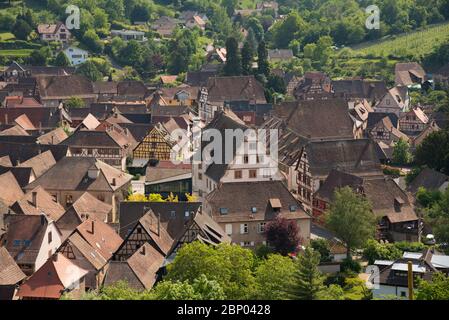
247, 58
233, 66
333, 292
75, 102
438, 217
90, 71
436, 289
262, 59
401, 152
92, 41
40, 57
288, 29
273, 275
182, 49
141, 12
61, 60
308, 280
351, 218
434, 151
229, 5
229, 265
380, 251
21, 29
322, 247
115, 9
220, 24
174, 290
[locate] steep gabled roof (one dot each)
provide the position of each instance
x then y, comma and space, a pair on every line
55, 136
40, 163
354, 155
428, 179
10, 273
54, 87
235, 88
52, 278
157, 232
239, 197
10, 190
25, 235
75, 170
100, 236
44, 204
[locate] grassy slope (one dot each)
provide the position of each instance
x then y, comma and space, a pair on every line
414, 43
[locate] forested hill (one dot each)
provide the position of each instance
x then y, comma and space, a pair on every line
312, 29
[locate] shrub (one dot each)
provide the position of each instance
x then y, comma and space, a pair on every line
350, 265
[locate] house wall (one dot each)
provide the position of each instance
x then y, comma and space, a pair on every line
255, 236
76, 56
108, 197
48, 248
385, 290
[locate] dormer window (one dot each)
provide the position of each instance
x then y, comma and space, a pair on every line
223, 211
253, 210
293, 208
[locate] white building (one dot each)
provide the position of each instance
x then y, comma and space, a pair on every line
76, 56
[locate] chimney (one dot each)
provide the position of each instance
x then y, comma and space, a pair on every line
34, 199
6, 118
113, 182
92, 230
158, 224
143, 250
55, 257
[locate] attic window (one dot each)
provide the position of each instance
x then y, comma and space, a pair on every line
16, 243
253, 209
26, 243
172, 214
223, 211
293, 208
186, 214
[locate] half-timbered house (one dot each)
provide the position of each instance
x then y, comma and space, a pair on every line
157, 144
147, 230
413, 121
